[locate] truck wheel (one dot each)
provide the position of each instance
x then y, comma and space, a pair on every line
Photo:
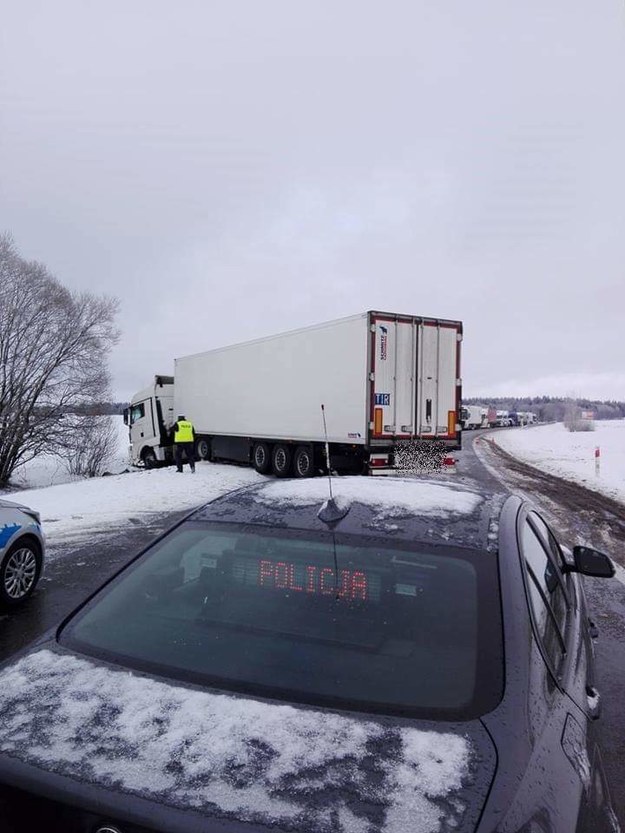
149, 458
303, 462
281, 460
203, 449
261, 458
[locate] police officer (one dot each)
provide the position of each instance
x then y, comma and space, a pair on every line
184, 438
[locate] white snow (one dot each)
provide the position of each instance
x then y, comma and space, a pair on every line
393, 496
571, 455
73, 511
260, 762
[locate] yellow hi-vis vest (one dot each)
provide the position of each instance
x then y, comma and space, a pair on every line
184, 434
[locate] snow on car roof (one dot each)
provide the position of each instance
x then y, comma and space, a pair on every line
387, 496
427, 511
230, 756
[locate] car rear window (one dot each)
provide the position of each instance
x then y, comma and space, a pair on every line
322, 619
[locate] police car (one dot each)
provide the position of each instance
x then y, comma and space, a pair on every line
405, 656
22, 549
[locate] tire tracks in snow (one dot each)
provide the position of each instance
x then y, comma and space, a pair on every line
575, 510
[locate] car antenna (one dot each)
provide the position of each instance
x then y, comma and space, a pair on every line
330, 512
325, 434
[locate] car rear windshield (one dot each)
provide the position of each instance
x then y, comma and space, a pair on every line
331, 620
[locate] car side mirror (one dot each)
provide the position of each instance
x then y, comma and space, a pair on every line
591, 562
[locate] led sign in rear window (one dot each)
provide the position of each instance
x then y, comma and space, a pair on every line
306, 616
307, 578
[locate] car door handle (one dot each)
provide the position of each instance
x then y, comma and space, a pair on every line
594, 702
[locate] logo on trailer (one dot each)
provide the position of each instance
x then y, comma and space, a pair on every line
383, 342
382, 399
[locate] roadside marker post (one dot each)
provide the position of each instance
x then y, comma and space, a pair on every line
597, 460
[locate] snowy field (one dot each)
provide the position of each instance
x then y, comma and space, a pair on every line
73, 511
571, 455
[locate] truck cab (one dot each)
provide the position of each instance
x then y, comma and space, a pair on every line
503, 419
149, 419
473, 417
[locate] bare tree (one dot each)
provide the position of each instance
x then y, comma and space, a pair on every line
53, 349
90, 444
575, 419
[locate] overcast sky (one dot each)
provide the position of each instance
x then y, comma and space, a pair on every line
234, 169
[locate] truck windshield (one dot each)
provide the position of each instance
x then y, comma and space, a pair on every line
352, 622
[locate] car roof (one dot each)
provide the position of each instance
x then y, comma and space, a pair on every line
407, 509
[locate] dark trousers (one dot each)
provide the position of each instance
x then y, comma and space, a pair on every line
188, 450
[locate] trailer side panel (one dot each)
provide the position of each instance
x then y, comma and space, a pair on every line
274, 387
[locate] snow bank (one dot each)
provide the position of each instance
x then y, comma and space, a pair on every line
73, 511
571, 455
265, 763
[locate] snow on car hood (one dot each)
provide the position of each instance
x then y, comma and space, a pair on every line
233, 757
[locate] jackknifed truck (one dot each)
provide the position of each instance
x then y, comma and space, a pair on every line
389, 384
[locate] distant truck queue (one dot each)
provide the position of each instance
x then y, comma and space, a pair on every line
359, 394
473, 417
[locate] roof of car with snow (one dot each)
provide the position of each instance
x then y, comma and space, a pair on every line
417, 509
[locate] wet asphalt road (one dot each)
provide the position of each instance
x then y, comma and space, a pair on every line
578, 516
72, 573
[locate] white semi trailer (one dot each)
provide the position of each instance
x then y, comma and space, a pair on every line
388, 383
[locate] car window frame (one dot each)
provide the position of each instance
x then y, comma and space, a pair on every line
553, 546
562, 631
579, 657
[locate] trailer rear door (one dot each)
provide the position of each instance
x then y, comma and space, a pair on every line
415, 365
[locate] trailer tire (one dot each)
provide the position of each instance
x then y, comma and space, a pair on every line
281, 459
203, 449
261, 458
149, 458
304, 462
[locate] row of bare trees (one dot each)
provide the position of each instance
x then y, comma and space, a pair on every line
54, 345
